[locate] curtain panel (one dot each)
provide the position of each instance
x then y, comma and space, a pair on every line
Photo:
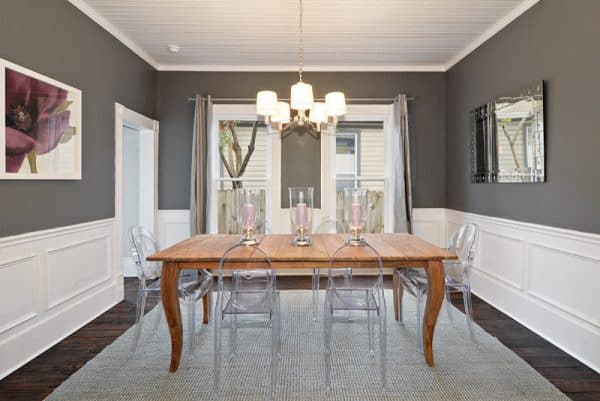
198, 187
401, 175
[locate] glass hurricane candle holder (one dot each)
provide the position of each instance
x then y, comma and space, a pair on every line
248, 213
356, 211
301, 208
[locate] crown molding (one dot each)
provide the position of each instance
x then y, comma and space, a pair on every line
294, 68
113, 30
494, 29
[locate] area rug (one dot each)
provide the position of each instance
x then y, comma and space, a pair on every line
463, 371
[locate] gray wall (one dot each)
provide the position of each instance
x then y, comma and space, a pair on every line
55, 39
557, 41
176, 117
296, 170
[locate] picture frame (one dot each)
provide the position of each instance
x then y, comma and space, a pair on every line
41, 136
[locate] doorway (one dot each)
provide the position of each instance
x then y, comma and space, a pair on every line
136, 162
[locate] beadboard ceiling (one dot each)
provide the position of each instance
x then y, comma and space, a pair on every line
339, 35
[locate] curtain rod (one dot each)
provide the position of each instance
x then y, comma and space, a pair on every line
247, 99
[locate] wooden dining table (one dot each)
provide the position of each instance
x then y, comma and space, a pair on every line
397, 251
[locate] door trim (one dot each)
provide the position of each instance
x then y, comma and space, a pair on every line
125, 116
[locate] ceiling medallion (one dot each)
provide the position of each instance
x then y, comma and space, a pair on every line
321, 114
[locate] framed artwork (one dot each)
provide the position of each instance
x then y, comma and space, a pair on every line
41, 136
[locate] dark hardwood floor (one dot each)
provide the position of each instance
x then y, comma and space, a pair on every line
38, 378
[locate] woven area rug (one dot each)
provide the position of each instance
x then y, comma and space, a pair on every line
488, 371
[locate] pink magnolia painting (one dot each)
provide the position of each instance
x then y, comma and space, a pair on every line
42, 132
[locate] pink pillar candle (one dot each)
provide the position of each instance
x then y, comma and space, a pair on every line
301, 216
356, 214
249, 214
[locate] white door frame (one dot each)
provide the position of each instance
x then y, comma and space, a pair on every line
125, 116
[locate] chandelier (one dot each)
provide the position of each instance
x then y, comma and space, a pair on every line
277, 113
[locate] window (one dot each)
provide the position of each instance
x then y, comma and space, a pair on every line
240, 166
243, 162
359, 163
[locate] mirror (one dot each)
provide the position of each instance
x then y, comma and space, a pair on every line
507, 138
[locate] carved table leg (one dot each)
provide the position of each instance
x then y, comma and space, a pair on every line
206, 303
170, 300
435, 297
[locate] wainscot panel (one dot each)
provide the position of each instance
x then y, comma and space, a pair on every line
53, 282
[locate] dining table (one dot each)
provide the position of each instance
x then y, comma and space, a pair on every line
396, 251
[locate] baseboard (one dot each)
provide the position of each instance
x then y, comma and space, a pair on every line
52, 282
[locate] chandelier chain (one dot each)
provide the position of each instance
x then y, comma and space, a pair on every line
301, 43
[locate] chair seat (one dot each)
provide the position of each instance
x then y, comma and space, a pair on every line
415, 276
249, 302
196, 289
353, 299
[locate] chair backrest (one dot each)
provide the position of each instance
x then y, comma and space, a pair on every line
462, 242
143, 244
348, 256
329, 225
246, 270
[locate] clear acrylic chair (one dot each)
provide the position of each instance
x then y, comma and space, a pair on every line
246, 290
328, 225
192, 285
367, 297
457, 278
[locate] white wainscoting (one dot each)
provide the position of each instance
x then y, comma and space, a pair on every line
53, 282
544, 277
430, 224
173, 226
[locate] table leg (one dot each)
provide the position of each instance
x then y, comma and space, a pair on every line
395, 292
170, 300
206, 303
435, 297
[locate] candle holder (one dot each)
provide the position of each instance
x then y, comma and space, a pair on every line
248, 211
356, 211
301, 208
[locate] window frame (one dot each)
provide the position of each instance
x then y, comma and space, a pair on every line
240, 112
359, 112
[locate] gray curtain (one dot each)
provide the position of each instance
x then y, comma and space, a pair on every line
402, 180
198, 189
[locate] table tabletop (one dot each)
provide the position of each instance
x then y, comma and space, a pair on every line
395, 250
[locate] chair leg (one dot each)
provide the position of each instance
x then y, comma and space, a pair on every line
233, 336
275, 346
327, 323
218, 324
370, 330
192, 327
420, 319
400, 288
395, 285
315, 293
139, 317
383, 347
348, 284
449, 306
158, 317
469, 312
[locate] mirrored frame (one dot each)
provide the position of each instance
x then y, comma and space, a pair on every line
508, 139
